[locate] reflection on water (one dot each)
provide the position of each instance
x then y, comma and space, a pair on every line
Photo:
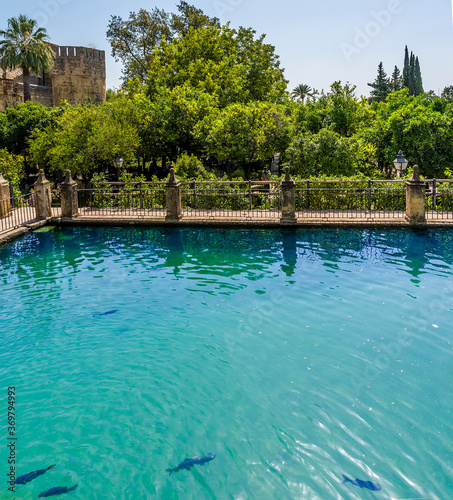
413, 249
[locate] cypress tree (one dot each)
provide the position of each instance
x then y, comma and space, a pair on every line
381, 86
396, 82
411, 85
418, 82
406, 68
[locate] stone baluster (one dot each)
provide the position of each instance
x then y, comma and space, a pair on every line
415, 199
5, 198
173, 197
288, 199
43, 197
69, 200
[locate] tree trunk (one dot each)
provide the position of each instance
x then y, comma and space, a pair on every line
26, 84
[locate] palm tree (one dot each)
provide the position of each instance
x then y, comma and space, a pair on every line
302, 91
25, 46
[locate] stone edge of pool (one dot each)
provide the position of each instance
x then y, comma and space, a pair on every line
9, 236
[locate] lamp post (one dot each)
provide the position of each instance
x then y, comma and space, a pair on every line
118, 162
400, 163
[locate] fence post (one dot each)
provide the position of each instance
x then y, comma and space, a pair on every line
415, 199
43, 198
288, 199
69, 201
173, 197
5, 198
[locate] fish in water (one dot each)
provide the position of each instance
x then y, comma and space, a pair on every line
112, 311
188, 463
369, 485
25, 478
58, 490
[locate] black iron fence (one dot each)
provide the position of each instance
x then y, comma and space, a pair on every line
439, 199
230, 199
351, 199
123, 199
16, 211
359, 200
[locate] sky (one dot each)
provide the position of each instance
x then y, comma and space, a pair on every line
318, 41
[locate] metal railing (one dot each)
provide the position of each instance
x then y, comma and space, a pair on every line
439, 199
352, 199
130, 199
231, 199
17, 211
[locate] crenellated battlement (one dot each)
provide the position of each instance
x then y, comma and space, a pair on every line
77, 76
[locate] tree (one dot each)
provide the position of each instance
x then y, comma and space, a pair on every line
396, 82
381, 86
230, 64
325, 153
302, 91
412, 76
134, 40
406, 68
84, 139
245, 133
25, 46
418, 82
17, 124
447, 94
190, 17
11, 167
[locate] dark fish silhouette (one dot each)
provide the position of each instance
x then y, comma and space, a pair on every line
58, 490
25, 478
369, 485
112, 311
188, 463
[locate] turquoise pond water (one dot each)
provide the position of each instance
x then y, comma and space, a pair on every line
294, 356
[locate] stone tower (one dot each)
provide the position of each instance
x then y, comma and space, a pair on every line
78, 75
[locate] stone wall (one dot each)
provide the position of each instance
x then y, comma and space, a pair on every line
78, 76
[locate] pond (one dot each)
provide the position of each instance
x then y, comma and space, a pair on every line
293, 356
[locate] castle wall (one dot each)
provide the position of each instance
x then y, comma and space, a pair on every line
78, 76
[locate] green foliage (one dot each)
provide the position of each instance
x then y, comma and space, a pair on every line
189, 167
85, 140
420, 126
326, 152
245, 132
302, 91
412, 76
17, 124
229, 64
381, 86
172, 118
11, 166
133, 41
339, 110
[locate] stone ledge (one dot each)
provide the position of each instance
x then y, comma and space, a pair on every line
13, 234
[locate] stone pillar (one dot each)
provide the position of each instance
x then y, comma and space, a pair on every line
173, 196
288, 200
5, 198
415, 199
69, 201
43, 197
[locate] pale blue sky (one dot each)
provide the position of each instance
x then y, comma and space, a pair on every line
318, 41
